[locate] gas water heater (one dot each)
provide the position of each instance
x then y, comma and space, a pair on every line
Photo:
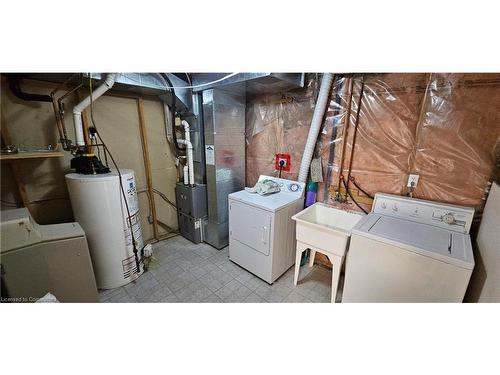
99, 208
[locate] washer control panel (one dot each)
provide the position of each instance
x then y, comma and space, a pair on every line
447, 216
287, 186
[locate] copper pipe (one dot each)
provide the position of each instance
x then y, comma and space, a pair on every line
58, 119
61, 85
69, 93
60, 106
344, 130
358, 111
61, 126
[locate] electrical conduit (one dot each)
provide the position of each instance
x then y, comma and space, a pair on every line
78, 109
319, 112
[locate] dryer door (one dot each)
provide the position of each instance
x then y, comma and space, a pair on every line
250, 226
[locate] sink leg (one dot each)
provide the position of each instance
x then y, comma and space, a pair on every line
312, 254
298, 256
336, 266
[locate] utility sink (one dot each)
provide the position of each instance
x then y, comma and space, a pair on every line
325, 227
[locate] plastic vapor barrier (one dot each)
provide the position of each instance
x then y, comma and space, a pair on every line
443, 127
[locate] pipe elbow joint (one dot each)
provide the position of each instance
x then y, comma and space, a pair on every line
110, 79
185, 142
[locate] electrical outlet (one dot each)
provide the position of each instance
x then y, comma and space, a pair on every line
413, 180
287, 162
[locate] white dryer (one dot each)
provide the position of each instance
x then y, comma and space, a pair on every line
261, 229
409, 250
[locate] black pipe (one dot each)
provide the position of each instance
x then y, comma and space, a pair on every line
350, 195
331, 155
16, 90
360, 189
174, 134
355, 130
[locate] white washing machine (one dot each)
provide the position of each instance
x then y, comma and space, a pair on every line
261, 229
409, 250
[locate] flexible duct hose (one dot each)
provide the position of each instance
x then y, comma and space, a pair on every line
16, 90
319, 112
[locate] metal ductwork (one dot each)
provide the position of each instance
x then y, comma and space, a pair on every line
138, 83
224, 128
254, 83
223, 125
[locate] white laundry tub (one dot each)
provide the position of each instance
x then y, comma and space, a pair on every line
326, 227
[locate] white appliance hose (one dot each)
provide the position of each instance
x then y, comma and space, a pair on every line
319, 112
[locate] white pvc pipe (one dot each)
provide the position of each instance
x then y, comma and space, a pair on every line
78, 109
319, 112
168, 125
186, 174
189, 167
187, 141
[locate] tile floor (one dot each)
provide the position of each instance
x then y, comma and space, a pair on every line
187, 272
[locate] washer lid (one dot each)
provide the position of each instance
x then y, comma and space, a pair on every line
18, 230
444, 245
271, 202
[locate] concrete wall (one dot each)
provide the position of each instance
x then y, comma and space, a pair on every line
32, 124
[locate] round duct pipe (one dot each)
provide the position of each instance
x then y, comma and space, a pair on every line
319, 112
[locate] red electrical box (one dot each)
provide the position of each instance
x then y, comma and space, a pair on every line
287, 162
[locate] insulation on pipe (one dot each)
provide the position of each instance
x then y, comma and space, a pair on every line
319, 112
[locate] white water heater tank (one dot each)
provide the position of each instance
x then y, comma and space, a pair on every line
99, 208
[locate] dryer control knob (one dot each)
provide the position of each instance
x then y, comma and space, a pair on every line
448, 218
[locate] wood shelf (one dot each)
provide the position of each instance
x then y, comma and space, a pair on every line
32, 155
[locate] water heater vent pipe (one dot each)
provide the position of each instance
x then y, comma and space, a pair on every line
319, 112
187, 141
78, 109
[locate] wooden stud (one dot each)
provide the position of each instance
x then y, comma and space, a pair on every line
147, 164
21, 187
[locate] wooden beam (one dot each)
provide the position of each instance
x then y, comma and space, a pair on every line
147, 164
